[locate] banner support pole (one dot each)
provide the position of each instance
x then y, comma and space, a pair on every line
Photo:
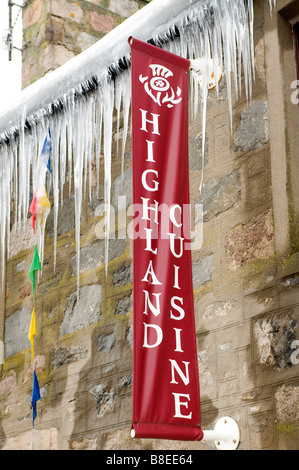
226, 434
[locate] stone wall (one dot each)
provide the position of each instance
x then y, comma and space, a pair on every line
245, 293
55, 31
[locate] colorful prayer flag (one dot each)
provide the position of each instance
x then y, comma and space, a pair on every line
46, 152
40, 206
35, 266
32, 333
35, 396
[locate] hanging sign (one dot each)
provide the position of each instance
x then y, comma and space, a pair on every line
166, 401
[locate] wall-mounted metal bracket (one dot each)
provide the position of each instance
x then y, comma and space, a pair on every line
226, 434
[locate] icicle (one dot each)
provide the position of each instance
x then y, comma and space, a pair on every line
55, 125
272, 4
98, 136
78, 155
123, 86
63, 155
69, 110
107, 115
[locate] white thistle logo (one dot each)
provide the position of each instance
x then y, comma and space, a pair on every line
158, 87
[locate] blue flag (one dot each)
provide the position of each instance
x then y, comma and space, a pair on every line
35, 396
46, 151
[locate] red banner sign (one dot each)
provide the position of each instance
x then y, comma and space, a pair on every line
166, 401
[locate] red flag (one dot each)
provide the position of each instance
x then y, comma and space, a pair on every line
33, 211
166, 401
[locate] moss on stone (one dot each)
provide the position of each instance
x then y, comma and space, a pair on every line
288, 428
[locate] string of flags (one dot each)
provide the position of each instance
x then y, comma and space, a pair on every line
35, 266
40, 208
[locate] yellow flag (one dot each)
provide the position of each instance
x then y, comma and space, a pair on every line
32, 333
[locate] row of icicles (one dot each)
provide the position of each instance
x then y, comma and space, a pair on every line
82, 132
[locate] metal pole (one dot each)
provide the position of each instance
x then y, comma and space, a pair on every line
9, 39
226, 434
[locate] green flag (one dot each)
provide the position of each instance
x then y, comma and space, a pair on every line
35, 266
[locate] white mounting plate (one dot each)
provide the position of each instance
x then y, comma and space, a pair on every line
228, 427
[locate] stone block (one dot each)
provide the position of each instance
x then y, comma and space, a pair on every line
259, 62
123, 276
227, 366
105, 399
234, 338
123, 187
253, 131
93, 256
105, 342
289, 291
258, 189
251, 241
205, 376
16, 332
274, 336
49, 284
207, 366
228, 387
8, 383
85, 40
121, 439
222, 137
219, 195
32, 14
56, 55
125, 8
66, 218
21, 266
260, 302
66, 10
84, 444
219, 308
86, 310
21, 238
126, 381
52, 30
25, 291
195, 152
202, 271
124, 305
265, 280
38, 366
129, 336
62, 356
257, 163
245, 369
260, 428
287, 403
101, 23
44, 439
